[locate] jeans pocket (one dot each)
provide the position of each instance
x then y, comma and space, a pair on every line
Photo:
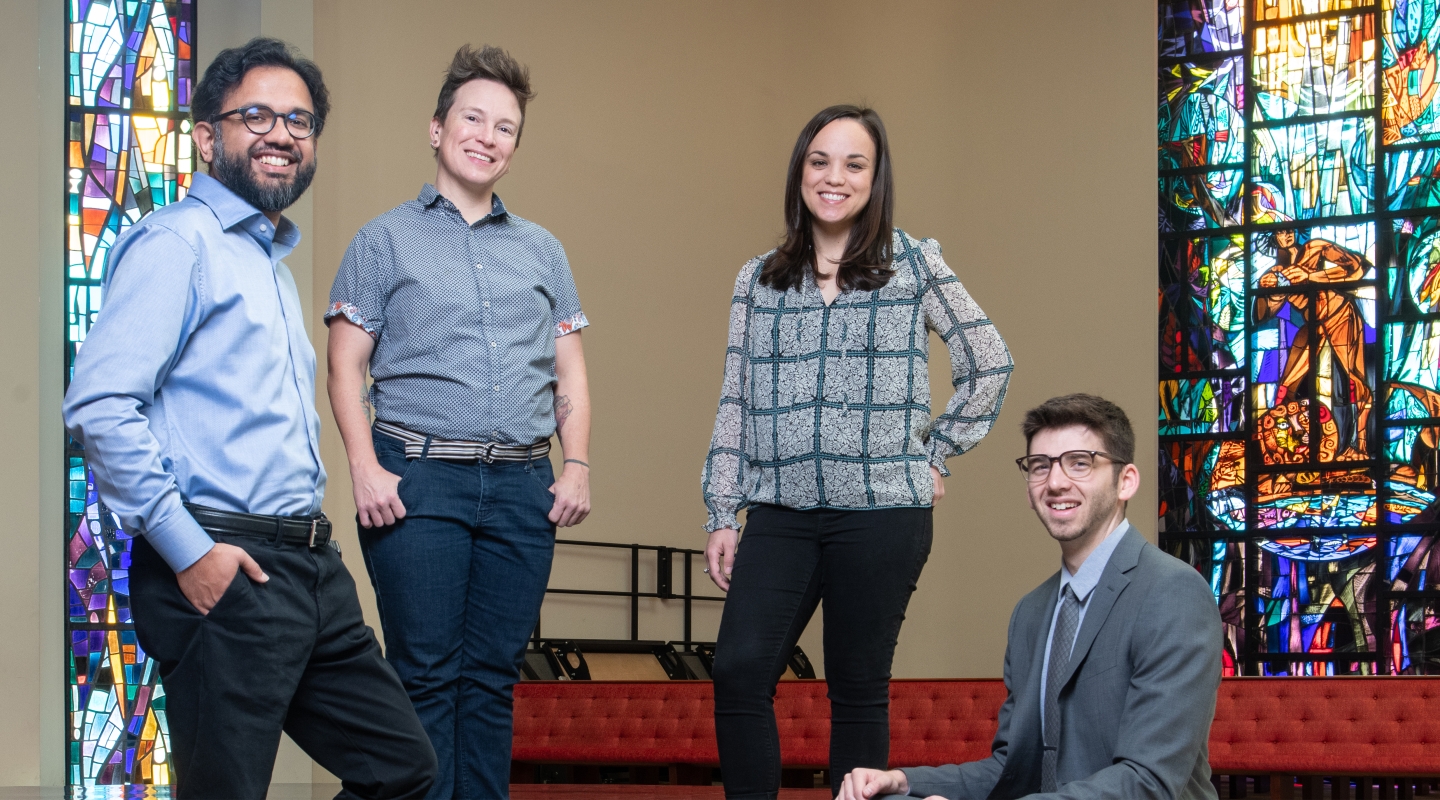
544, 476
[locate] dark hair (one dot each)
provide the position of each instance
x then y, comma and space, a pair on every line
1104, 418
487, 63
231, 65
866, 263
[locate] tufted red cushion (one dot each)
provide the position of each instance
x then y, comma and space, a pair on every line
1358, 725
612, 722
1343, 725
943, 722
608, 722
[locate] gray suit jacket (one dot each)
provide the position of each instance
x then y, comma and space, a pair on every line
1138, 697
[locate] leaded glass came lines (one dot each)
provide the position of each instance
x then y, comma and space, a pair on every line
129, 76
1299, 395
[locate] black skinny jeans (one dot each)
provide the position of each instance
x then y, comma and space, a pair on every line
863, 565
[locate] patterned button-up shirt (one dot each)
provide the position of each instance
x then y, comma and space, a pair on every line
829, 406
464, 319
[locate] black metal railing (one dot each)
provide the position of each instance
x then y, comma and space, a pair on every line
664, 583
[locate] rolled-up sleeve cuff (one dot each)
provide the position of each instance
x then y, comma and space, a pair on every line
571, 324
179, 540
351, 312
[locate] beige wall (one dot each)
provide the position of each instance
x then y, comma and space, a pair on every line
656, 153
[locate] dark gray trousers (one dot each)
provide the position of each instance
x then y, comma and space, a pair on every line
292, 654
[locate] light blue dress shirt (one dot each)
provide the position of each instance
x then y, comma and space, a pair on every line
1083, 584
197, 382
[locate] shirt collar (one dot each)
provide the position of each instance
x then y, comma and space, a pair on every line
429, 195
1083, 582
233, 212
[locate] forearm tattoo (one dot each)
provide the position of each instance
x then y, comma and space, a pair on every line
562, 410
365, 404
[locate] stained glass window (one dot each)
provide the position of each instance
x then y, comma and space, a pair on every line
129, 74
1299, 299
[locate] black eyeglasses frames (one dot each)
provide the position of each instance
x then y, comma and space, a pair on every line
260, 120
1076, 464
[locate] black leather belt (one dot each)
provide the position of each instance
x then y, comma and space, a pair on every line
307, 531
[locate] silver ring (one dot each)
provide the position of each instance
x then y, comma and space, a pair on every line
706, 570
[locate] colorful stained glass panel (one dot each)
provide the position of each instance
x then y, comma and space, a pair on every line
1318, 66
1411, 31
1414, 272
1199, 200
1413, 178
1202, 486
129, 79
1313, 170
1189, 27
1202, 304
1202, 405
1321, 548
1285, 9
1201, 118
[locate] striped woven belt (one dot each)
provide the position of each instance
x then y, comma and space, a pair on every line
418, 445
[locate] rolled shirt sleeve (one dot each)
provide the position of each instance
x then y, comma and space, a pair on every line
151, 299
360, 290
560, 286
980, 363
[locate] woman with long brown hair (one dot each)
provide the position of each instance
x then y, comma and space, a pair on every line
824, 436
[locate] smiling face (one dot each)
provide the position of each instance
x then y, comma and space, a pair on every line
475, 141
270, 170
839, 170
1080, 513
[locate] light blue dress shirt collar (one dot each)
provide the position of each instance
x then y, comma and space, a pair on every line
1084, 581
232, 212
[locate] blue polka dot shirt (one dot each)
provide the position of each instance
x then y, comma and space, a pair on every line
464, 319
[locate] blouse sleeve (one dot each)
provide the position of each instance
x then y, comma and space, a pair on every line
980, 363
723, 479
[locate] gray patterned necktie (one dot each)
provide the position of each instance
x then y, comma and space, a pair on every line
1062, 640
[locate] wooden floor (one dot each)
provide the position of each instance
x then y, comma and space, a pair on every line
618, 791
529, 791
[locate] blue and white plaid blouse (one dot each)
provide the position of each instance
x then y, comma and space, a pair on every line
829, 406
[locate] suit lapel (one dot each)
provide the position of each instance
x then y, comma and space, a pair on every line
1026, 739
1112, 582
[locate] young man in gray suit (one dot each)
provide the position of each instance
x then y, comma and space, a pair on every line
1113, 663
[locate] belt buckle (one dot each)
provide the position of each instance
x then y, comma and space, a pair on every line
487, 454
314, 525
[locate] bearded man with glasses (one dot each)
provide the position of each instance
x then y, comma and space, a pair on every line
194, 397
1112, 664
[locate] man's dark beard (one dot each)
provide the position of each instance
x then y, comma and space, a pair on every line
270, 197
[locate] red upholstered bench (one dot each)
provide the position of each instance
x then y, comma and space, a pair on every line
672, 722
1339, 728
1273, 727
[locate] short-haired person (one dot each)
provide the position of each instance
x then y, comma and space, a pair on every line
824, 434
194, 397
1112, 664
467, 318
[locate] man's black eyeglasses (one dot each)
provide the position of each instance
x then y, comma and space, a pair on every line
1075, 463
260, 120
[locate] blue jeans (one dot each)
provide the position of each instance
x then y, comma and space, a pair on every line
459, 582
